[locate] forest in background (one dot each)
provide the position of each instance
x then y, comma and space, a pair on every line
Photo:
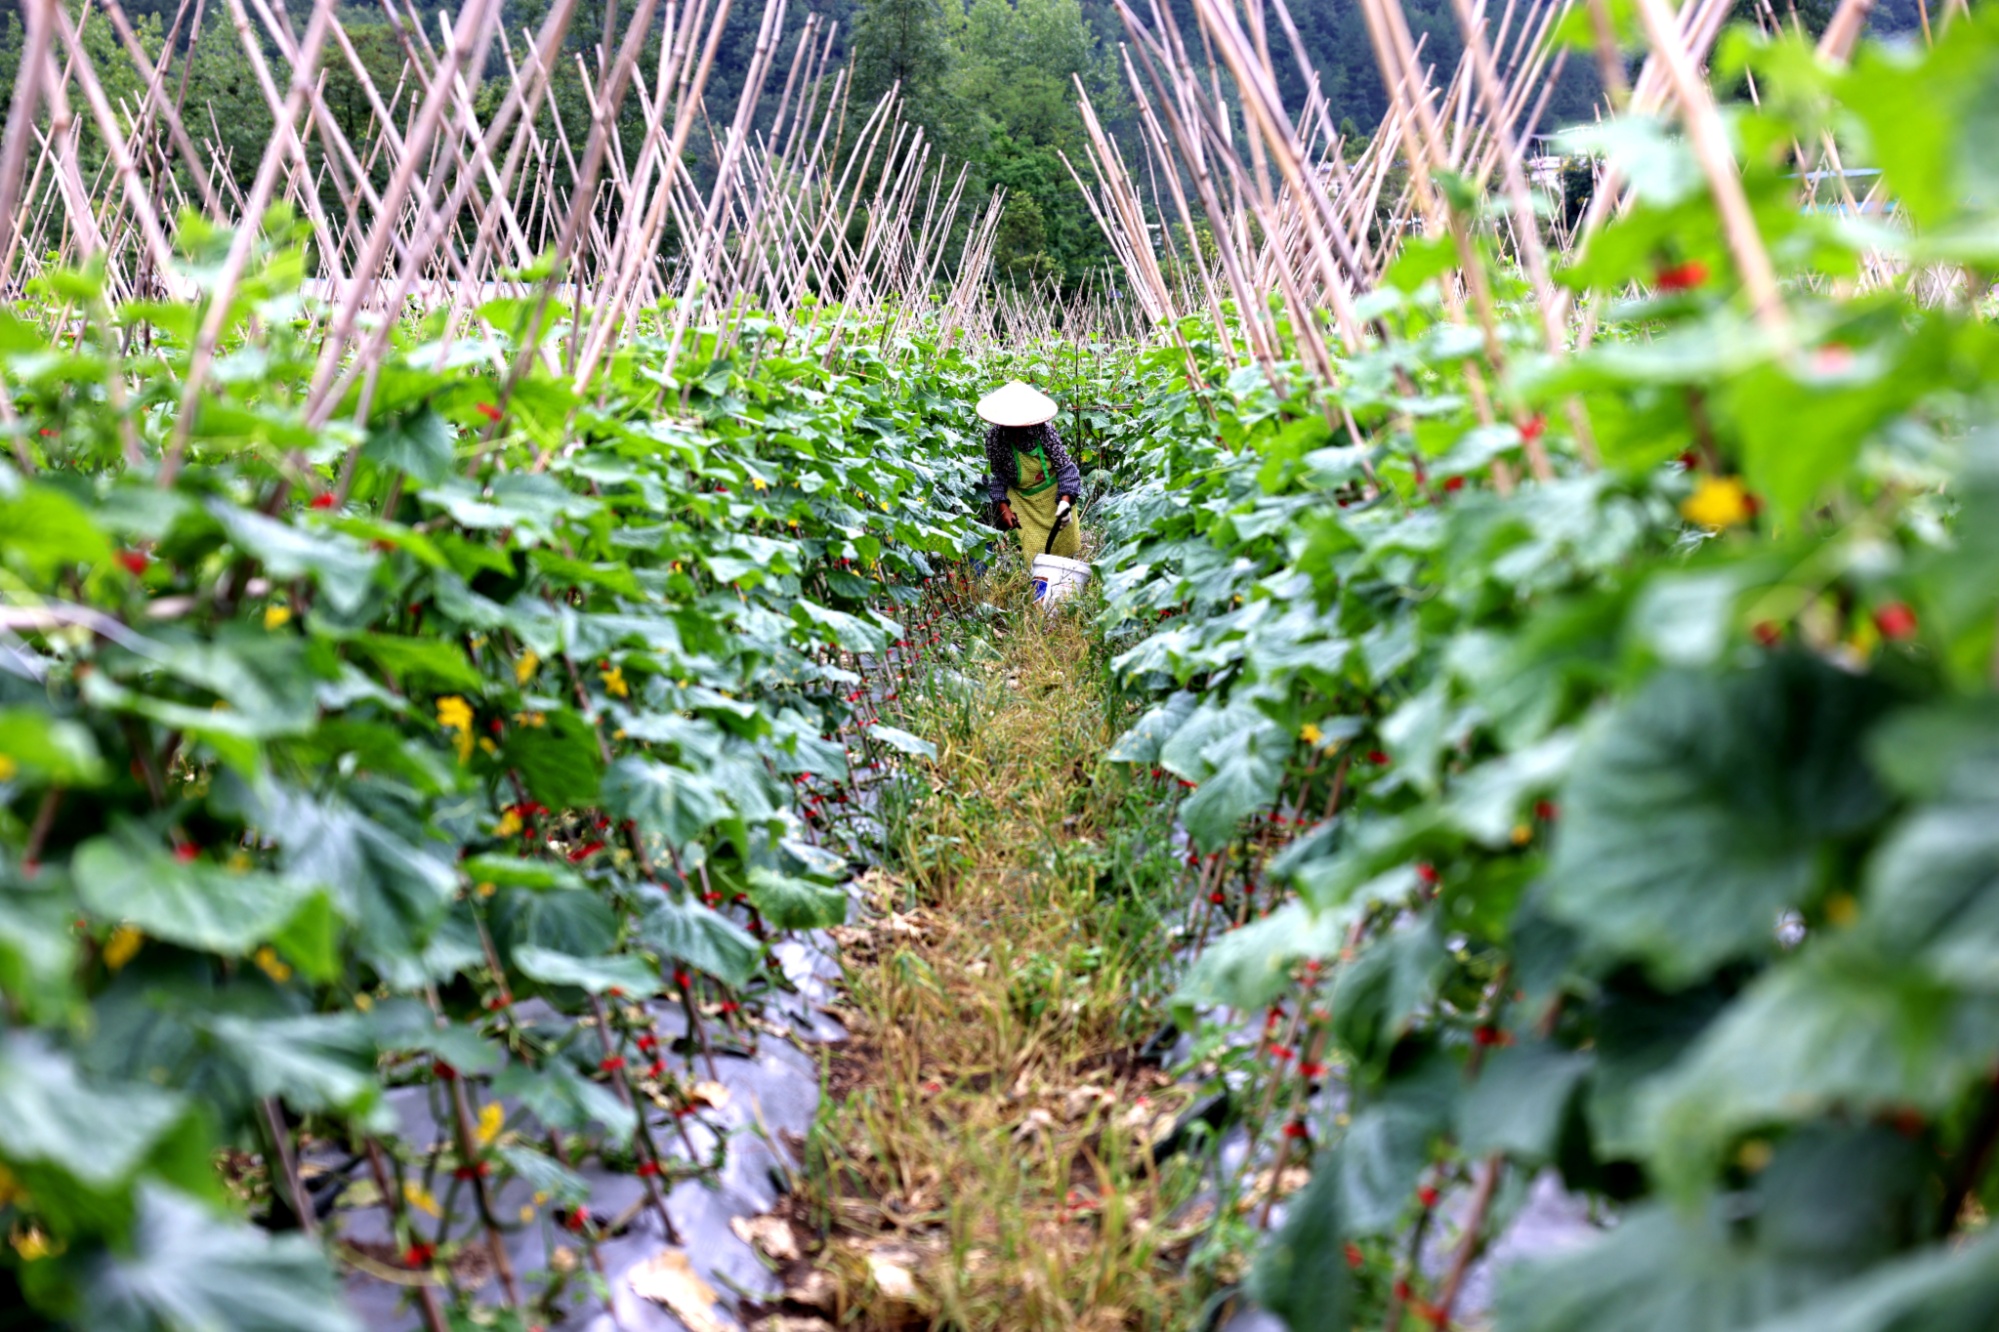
990, 81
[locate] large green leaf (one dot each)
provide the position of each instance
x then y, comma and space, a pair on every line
314, 1062
693, 935
1300, 1274
664, 801
632, 975
190, 1270
342, 566
1841, 1027
559, 760
796, 904
1706, 805
77, 1147
190, 902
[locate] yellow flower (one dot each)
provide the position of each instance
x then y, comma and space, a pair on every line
527, 1213
486, 745
122, 946
417, 1196
491, 1117
485, 890
364, 1001
271, 964
277, 617
525, 668
1311, 735
759, 483
8, 768
239, 861
1523, 833
1717, 503
33, 1244
455, 714
614, 682
508, 826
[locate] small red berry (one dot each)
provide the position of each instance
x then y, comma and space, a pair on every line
1682, 277
1767, 633
1353, 1254
135, 562
419, 1255
1296, 1129
325, 500
489, 411
185, 852
1546, 810
443, 1070
1427, 1196
1375, 756
1896, 621
1534, 427
1218, 898
1427, 873
1453, 484
611, 1063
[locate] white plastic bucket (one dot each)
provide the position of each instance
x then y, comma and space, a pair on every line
1056, 577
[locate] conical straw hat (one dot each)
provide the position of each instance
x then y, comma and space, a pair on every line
1017, 404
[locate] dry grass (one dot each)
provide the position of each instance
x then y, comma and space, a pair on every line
989, 1164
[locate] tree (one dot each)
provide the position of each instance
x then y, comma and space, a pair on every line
903, 42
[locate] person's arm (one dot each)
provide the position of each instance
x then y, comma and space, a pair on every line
996, 481
1068, 476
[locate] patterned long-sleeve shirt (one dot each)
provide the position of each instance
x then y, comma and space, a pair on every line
1004, 443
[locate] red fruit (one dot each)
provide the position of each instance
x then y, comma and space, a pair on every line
1281, 1053
489, 411
1310, 1069
728, 1006
1682, 277
611, 1063
477, 1171
443, 1070
1489, 1035
1353, 1254
498, 1002
135, 562
648, 1042
1896, 621
1296, 1129
1534, 427
1767, 633
1376, 756
1690, 460
575, 1220
616, 991
185, 852
419, 1255
1427, 1196
1546, 810
1218, 898
325, 500
647, 1169
1453, 484
1427, 873
680, 979
584, 852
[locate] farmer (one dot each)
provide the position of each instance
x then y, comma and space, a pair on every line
1034, 481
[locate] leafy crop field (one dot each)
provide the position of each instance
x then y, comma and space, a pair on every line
1507, 839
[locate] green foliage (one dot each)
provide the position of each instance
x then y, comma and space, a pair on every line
298, 796
1660, 850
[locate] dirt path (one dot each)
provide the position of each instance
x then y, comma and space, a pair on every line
983, 1159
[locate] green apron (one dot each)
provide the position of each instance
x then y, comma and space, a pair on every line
1034, 499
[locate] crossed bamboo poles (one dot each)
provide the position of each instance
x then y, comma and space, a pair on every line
825, 210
